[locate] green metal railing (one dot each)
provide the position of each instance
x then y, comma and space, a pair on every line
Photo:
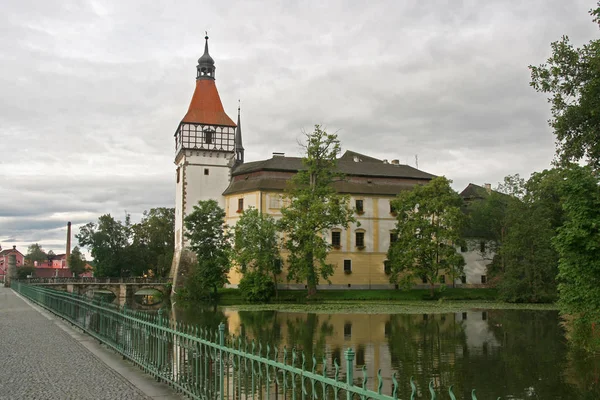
212, 365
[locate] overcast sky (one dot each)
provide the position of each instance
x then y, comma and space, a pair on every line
92, 92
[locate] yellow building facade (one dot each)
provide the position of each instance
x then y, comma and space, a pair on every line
359, 252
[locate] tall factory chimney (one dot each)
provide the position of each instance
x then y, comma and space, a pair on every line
68, 252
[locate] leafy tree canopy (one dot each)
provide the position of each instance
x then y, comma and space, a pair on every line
429, 226
578, 245
154, 234
209, 239
572, 78
314, 208
35, 253
76, 261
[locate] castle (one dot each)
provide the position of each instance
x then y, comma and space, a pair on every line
210, 165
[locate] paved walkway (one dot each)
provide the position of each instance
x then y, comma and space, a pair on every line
41, 358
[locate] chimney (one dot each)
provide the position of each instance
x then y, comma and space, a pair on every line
385, 161
396, 162
275, 154
14, 247
68, 252
488, 187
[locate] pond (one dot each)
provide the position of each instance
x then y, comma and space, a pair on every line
515, 354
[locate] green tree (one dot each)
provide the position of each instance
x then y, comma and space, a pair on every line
488, 223
572, 77
25, 271
578, 246
315, 207
256, 245
110, 244
209, 239
429, 225
76, 261
154, 236
531, 261
35, 253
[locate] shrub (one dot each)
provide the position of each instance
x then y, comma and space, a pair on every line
256, 287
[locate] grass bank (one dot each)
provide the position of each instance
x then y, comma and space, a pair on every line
234, 297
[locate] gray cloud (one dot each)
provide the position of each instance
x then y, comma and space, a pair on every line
93, 91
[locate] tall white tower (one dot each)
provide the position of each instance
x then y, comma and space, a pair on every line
205, 152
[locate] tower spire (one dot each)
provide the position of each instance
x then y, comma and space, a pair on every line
239, 148
206, 64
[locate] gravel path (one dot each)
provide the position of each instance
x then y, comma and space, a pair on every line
38, 360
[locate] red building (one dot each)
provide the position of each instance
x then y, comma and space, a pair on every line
4, 260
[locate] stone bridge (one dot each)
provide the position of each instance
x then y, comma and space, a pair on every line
124, 289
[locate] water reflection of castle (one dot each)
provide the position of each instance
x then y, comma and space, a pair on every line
409, 344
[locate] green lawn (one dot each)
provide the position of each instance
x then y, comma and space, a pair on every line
233, 296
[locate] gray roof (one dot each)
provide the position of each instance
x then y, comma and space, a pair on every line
367, 167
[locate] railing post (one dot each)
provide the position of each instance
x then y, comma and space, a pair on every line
349, 371
221, 364
160, 341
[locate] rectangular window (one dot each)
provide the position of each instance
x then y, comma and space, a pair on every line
482, 246
442, 278
484, 315
387, 267
463, 248
424, 279
347, 266
274, 201
463, 279
360, 239
393, 237
464, 315
483, 279
392, 208
359, 206
347, 331
208, 136
360, 356
336, 238
206, 171
240, 205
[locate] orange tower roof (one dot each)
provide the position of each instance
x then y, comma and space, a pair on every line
206, 106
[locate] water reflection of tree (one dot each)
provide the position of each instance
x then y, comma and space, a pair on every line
205, 317
262, 326
423, 346
509, 353
534, 357
306, 333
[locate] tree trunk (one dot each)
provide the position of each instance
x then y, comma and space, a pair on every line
275, 281
431, 289
311, 276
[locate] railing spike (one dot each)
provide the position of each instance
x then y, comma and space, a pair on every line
394, 386
314, 363
431, 391
451, 393
379, 381
364, 382
413, 389
337, 370
473, 397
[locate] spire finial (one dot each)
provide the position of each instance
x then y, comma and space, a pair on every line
239, 103
206, 65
